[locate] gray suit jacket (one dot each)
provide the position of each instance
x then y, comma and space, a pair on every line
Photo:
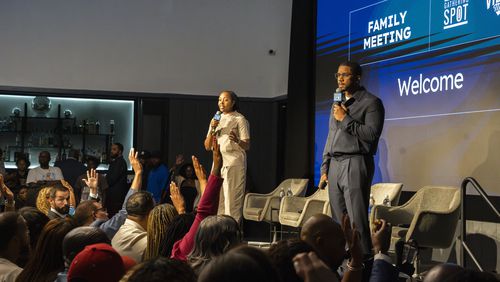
360, 130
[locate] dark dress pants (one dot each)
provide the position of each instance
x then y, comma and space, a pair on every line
349, 179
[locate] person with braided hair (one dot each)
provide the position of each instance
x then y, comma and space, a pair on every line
158, 222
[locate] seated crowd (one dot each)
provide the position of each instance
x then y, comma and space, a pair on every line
69, 235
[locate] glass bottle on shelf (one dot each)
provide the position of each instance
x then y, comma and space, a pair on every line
112, 127
97, 127
103, 156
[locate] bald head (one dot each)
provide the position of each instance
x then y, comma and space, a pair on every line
444, 272
326, 237
320, 224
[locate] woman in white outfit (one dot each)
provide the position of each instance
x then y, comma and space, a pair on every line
233, 136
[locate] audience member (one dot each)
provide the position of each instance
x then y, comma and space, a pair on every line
47, 259
216, 235
14, 240
44, 172
189, 186
75, 241
174, 170
312, 269
382, 269
36, 221
159, 220
244, 264
131, 238
281, 255
59, 202
17, 178
158, 176
177, 229
117, 180
329, 239
21, 198
161, 269
42, 200
89, 211
7, 196
146, 166
71, 167
82, 190
98, 262
208, 206
111, 226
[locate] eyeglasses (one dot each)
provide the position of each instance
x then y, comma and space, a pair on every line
343, 75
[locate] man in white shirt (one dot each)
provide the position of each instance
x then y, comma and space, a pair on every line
14, 240
44, 172
132, 238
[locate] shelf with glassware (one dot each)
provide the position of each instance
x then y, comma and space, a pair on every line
29, 135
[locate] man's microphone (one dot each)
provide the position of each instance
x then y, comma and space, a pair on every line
337, 96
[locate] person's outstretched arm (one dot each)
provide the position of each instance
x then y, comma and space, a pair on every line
208, 205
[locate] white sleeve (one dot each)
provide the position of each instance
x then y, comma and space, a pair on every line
58, 174
31, 176
243, 128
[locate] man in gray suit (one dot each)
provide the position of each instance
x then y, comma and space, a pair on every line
354, 130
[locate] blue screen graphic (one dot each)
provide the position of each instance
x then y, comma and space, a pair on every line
435, 65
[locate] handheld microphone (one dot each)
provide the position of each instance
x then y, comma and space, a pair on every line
216, 117
337, 96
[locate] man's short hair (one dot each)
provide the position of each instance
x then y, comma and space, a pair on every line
140, 204
84, 211
44, 152
355, 67
76, 240
55, 189
94, 160
120, 146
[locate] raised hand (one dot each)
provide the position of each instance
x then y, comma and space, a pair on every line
312, 269
134, 161
381, 236
177, 198
92, 180
66, 184
217, 158
6, 192
352, 238
200, 172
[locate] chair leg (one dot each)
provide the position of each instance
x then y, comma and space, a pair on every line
272, 232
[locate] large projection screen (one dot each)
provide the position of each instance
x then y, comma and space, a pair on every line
435, 65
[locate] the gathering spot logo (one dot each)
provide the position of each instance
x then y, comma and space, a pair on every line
495, 4
455, 13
